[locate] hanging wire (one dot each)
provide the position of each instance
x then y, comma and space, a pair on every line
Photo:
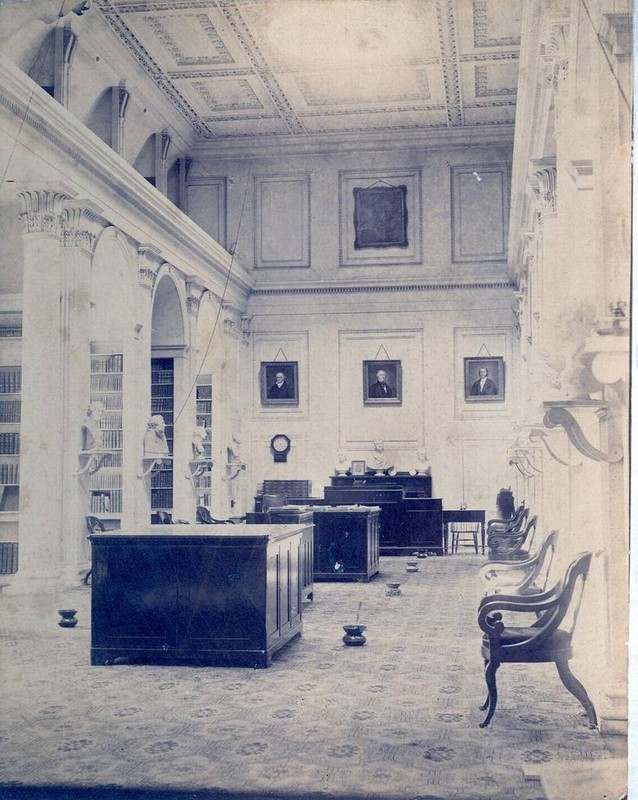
221, 303
45, 45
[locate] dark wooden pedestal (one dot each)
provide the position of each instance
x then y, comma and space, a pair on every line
184, 596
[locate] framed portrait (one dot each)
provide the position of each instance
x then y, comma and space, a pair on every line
358, 468
380, 217
484, 379
382, 383
279, 382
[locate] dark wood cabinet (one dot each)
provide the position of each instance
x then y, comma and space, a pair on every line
179, 595
412, 485
346, 543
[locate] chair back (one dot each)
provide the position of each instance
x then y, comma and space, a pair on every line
505, 503
569, 593
165, 518
94, 525
544, 560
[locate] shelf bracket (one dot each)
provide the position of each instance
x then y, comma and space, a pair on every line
91, 461
196, 468
559, 416
152, 464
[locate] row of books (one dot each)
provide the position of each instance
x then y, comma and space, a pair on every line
163, 479
107, 363
110, 401
106, 480
112, 440
106, 383
161, 498
162, 391
9, 411
8, 558
10, 380
106, 502
204, 406
111, 421
161, 404
9, 443
204, 392
9, 474
162, 376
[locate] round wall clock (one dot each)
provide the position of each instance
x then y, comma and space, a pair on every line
280, 446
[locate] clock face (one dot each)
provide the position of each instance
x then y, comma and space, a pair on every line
280, 443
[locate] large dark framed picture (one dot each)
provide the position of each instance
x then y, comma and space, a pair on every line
484, 379
279, 381
380, 217
382, 383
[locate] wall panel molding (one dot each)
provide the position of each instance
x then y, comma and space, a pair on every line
480, 206
282, 221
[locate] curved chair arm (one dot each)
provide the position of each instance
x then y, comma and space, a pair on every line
501, 602
497, 601
520, 574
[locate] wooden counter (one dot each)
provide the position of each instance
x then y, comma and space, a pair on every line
181, 594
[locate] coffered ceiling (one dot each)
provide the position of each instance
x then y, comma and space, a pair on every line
240, 68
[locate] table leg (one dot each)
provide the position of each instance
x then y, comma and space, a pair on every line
482, 538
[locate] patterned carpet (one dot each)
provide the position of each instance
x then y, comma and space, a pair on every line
396, 719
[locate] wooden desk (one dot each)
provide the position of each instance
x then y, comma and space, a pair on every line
463, 515
178, 594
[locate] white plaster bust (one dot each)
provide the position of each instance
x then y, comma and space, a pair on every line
155, 444
342, 462
380, 461
200, 434
422, 461
92, 435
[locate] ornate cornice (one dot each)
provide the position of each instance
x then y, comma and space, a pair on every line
426, 287
42, 211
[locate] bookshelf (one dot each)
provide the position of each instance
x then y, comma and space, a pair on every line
105, 485
10, 391
162, 397
204, 413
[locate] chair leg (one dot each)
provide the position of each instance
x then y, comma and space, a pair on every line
573, 685
475, 538
492, 694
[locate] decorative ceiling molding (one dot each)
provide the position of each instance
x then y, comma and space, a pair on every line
235, 70
449, 61
263, 70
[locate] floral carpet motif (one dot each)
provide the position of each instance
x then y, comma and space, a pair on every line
396, 719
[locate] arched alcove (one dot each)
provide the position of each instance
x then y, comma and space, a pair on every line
168, 385
99, 116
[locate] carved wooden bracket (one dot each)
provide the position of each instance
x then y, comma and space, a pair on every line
559, 416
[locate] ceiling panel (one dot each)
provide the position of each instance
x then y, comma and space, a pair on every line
313, 66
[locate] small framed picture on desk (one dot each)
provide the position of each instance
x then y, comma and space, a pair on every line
358, 468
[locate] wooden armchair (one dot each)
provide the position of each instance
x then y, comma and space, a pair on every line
547, 639
527, 577
514, 544
204, 517
494, 525
93, 525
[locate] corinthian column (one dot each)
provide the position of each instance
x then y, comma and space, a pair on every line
57, 251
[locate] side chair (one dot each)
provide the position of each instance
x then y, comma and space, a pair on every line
93, 525
514, 544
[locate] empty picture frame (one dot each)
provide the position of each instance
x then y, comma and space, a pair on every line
382, 383
279, 382
380, 217
484, 379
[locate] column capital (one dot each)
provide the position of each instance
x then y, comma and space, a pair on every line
82, 223
42, 211
543, 181
194, 293
148, 264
